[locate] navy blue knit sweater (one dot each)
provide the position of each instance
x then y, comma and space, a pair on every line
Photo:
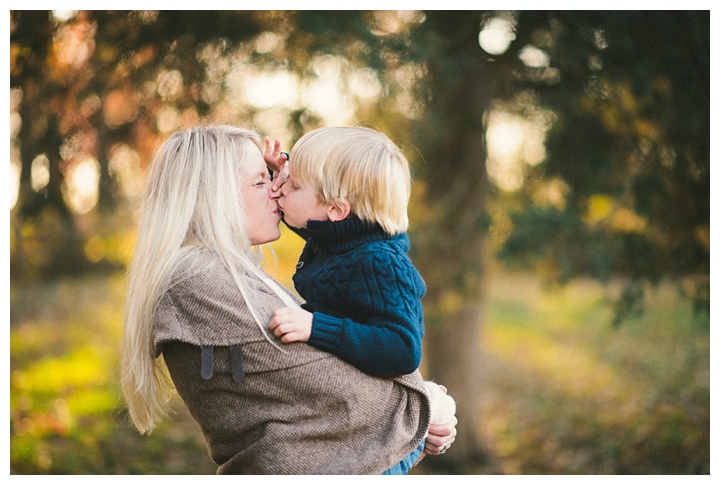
364, 294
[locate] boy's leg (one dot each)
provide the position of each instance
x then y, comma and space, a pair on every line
404, 466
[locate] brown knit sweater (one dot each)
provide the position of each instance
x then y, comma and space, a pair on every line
302, 411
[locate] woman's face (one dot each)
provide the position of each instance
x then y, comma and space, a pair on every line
261, 212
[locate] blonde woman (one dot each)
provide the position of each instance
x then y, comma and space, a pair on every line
197, 312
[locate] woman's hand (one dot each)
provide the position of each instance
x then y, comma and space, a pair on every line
291, 324
440, 436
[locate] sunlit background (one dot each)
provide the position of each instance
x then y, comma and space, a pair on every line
560, 216
512, 140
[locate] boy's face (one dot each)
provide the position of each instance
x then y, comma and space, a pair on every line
299, 203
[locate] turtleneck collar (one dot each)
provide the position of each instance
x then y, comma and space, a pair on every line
341, 236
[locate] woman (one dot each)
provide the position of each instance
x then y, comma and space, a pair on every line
198, 308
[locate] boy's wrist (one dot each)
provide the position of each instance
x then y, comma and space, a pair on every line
326, 330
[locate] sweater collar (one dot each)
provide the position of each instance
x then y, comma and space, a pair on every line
342, 236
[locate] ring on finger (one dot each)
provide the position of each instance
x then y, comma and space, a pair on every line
443, 449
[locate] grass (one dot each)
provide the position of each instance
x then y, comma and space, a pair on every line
568, 394
564, 392
66, 410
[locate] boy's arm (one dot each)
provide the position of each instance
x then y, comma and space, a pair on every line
388, 342
385, 350
388, 351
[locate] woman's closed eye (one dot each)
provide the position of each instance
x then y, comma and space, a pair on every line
264, 179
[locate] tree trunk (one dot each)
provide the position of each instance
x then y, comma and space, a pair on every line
455, 362
451, 240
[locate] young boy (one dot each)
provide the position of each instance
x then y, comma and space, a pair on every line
347, 196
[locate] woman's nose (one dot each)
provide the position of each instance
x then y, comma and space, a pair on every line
274, 192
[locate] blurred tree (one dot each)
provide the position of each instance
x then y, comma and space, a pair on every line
625, 96
457, 91
629, 94
31, 43
89, 84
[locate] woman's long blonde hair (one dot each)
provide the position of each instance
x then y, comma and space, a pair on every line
192, 202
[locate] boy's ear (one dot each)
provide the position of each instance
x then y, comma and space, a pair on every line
339, 210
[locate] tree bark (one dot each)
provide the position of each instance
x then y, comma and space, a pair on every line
451, 244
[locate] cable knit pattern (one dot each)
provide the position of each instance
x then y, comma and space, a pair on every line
364, 293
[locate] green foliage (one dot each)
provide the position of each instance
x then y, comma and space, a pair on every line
632, 126
628, 93
546, 235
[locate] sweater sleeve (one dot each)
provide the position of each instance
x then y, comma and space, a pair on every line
384, 337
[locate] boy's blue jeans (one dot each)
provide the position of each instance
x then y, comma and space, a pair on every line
406, 463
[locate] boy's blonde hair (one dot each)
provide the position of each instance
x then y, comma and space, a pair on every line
361, 166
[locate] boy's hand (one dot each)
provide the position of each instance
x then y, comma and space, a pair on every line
277, 161
274, 157
291, 324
